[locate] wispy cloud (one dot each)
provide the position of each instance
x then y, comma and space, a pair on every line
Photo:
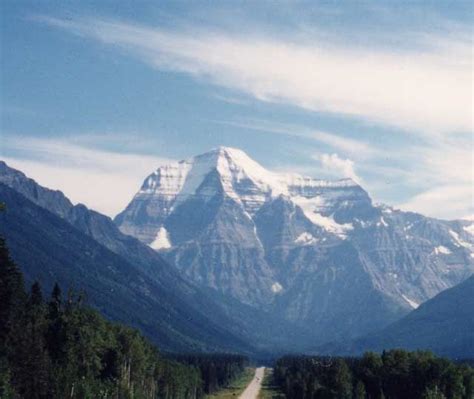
230, 99
446, 201
103, 180
424, 87
335, 141
436, 171
428, 90
445, 174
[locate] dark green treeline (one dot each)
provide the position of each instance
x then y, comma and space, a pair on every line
216, 370
60, 348
395, 374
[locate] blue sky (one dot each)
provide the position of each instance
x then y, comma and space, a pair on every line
95, 95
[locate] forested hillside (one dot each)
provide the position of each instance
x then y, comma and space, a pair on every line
171, 313
396, 374
60, 348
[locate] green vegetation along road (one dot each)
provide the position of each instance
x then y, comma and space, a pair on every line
269, 390
236, 388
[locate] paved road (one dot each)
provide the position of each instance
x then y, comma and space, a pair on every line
252, 390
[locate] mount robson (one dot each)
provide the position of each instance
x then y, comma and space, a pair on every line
216, 253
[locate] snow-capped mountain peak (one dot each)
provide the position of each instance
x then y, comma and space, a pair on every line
243, 180
230, 174
320, 254
238, 174
256, 235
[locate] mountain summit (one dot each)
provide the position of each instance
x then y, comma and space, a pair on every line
236, 176
317, 253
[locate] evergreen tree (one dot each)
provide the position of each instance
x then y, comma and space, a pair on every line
12, 298
468, 381
433, 393
341, 380
32, 374
55, 334
12, 304
396, 374
359, 392
6, 390
55, 302
370, 369
63, 349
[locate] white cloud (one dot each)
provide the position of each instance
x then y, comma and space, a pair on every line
338, 167
447, 163
445, 173
104, 181
447, 202
429, 90
349, 146
230, 99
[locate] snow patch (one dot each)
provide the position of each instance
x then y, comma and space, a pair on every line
469, 229
382, 222
237, 171
166, 180
363, 223
295, 180
412, 303
277, 287
310, 207
243, 167
161, 240
306, 239
441, 250
459, 242
330, 224
255, 231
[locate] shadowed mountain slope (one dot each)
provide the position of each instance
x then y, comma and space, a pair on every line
444, 325
51, 250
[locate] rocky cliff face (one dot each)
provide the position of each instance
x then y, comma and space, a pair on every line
318, 253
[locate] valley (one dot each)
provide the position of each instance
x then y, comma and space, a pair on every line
319, 254
264, 199
268, 263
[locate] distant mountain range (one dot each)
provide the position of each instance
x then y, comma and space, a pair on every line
319, 253
216, 253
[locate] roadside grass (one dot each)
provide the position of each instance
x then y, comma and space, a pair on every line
269, 391
236, 388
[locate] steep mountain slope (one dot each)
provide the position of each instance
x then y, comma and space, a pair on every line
51, 250
444, 324
264, 330
314, 252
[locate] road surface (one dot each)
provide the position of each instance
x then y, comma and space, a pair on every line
252, 390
